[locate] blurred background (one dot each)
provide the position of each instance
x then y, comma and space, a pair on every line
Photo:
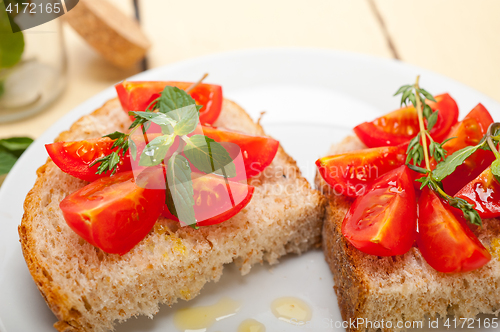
456, 38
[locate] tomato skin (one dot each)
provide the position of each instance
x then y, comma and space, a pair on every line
213, 204
383, 222
74, 158
258, 151
484, 193
400, 126
137, 95
469, 131
352, 172
113, 213
444, 239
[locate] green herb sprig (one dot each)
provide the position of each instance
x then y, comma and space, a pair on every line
176, 112
417, 152
489, 142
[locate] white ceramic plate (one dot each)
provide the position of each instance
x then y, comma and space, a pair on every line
310, 96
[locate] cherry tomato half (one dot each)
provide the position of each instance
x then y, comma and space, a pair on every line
401, 125
75, 157
444, 239
383, 222
136, 96
484, 193
215, 199
258, 151
350, 173
469, 131
114, 213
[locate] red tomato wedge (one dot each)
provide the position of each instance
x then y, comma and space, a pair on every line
137, 95
114, 213
215, 199
350, 173
444, 239
484, 193
401, 125
75, 157
258, 151
383, 221
469, 131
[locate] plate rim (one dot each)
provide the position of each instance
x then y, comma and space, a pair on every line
79, 110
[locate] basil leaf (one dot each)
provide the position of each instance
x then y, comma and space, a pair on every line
11, 44
209, 156
186, 118
181, 188
156, 150
452, 162
169, 201
7, 161
16, 143
173, 98
133, 148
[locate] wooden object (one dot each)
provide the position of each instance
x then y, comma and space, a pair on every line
117, 37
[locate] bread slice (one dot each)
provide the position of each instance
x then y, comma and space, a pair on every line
89, 290
402, 288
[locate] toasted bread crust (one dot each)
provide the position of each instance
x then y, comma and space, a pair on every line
402, 288
50, 292
80, 313
350, 286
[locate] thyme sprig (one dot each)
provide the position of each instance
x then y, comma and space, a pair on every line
418, 152
417, 148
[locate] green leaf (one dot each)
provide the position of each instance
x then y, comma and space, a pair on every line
209, 156
169, 201
166, 123
115, 135
156, 150
2, 88
412, 99
186, 118
11, 44
173, 98
452, 162
437, 151
427, 112
467, 209
405, 96
495, 168
427, 94
16, 143
181, 188
402, 89
7, 161
133, 148
114, 159
417, 168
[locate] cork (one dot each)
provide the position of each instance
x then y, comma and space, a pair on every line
117, 37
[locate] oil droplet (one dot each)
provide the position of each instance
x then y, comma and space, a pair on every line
291, 310
251, 325
199, 319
